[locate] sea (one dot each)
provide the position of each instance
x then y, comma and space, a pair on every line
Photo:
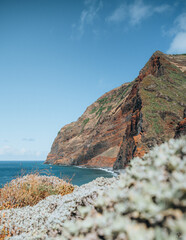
10, 170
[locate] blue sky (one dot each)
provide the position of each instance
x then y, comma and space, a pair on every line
58, 56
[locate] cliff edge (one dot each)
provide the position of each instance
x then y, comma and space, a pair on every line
129, 120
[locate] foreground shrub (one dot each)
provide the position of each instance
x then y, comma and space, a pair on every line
148, 202
4, 233
30, 189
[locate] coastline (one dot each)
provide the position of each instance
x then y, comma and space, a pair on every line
106, 169
78, 174
112, 203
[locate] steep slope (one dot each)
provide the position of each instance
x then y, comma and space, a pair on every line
129, 120
161, 86
96, 137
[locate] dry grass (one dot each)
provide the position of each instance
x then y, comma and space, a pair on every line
30, 189
4, 233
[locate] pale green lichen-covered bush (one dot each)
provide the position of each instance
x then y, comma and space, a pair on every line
148, 202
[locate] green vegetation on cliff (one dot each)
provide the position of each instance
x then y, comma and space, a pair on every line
135, 116
163, 101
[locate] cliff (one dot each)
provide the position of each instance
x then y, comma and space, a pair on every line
129, 120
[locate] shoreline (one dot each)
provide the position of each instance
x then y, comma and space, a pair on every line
110, 170
98, 172
112, 203
106, 169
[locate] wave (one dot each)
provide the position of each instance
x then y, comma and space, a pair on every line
110, 170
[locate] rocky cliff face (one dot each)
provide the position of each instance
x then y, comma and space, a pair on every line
129, 120
181, 127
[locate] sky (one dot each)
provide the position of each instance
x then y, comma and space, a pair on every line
58, 56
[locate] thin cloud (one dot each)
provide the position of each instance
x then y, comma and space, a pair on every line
119, 14
180, 22
4, 150
9, 150
136, 12
28, 139
87, 17
22, 153
139, 11
162, 8
178, 44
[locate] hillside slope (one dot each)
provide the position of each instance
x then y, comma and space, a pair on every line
129, 120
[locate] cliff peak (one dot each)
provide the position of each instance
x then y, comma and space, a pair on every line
158, 53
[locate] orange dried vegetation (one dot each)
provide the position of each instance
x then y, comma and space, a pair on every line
4, 233
29, 190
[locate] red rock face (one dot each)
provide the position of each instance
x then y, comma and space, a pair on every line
181, 127
98, 131
127, 121
137, 139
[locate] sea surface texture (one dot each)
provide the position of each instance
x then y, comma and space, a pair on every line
12, 169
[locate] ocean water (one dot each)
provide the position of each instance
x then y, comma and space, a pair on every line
12, 169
